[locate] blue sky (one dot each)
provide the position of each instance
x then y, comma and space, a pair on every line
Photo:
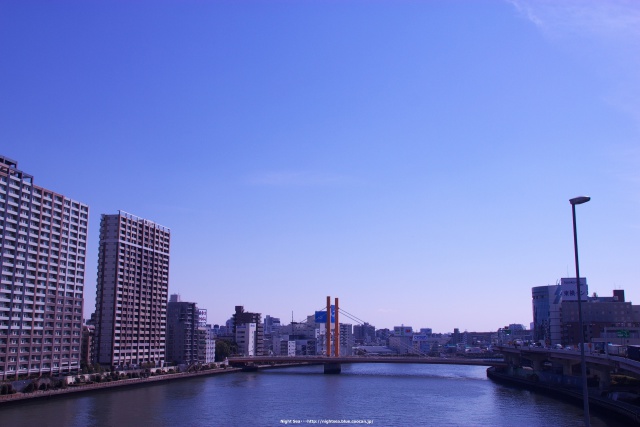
413, 158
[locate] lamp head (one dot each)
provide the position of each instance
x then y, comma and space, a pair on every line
579, 200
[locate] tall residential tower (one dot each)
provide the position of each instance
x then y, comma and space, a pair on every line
43, 242
132, 290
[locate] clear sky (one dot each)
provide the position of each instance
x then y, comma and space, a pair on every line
413, 158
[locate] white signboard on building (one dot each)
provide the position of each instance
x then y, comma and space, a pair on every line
569, 289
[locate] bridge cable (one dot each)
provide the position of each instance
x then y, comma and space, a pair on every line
357, 319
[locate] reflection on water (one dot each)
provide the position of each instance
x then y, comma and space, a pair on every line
388, 394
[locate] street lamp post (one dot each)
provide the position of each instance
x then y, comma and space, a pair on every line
585, 391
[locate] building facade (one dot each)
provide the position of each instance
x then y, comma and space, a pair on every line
598, 314
242, 317
346, 339
206, 344
556, 318
43, 242
546, 302
132, 291
182, 331
364, 334
246, 339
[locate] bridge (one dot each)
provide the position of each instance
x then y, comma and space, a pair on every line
332, 364
330, 347
602, 365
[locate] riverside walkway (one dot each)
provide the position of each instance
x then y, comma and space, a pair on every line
128, 382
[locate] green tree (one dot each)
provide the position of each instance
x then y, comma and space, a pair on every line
224, 349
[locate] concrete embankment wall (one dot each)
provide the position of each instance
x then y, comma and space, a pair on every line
570, 393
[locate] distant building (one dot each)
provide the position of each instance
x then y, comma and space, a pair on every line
132, 291
206, 344
428, 343
382, 335
271, 331
202, 317
458, 337
271, 324
598, 313
480, 339
346, 339
246, 337
242, 317
87, 355
546, 314
296, 338
364, 334
401, 344
401, 331
43, 243
423, 344
556, 319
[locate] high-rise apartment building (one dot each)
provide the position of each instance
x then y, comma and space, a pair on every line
132, 291
43, 239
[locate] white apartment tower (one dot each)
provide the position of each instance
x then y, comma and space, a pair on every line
132, 290
43, 239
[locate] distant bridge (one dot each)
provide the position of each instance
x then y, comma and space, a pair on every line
332, 364
332, 360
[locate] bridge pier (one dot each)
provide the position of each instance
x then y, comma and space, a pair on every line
332, 368
567, 367
537, 362
604, 375
513, 361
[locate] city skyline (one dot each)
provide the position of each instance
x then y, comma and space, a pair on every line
413, 159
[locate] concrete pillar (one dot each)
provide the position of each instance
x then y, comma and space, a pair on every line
604, 374
512, 359
328, 328
537, 365
566, 367
513, 362
336, 334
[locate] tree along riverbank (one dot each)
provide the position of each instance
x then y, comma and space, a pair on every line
598, 400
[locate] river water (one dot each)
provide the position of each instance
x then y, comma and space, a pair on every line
375, 394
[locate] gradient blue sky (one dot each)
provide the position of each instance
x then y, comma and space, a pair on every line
413, 158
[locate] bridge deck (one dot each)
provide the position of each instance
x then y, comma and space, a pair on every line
265, 360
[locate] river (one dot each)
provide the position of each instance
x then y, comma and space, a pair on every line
375, 394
